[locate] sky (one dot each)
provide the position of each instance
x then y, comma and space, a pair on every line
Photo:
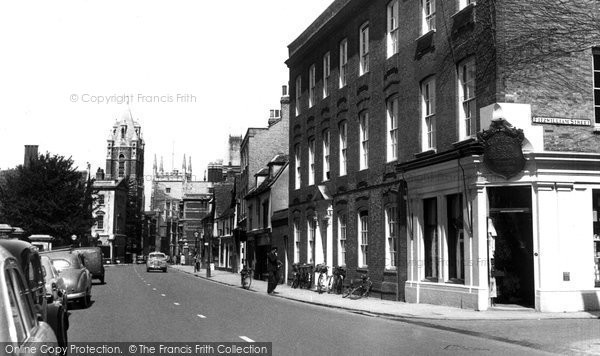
191, 72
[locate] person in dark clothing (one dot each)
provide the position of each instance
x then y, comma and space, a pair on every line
273, 265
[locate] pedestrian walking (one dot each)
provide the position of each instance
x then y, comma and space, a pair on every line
197, 262
273, 265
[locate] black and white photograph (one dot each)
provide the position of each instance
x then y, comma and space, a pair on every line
299, 177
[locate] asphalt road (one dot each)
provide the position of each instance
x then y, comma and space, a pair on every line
137, 306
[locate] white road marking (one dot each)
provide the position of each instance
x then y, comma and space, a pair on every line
153, 288
246, 338
176, 303
163, 295
148, 283
201, 316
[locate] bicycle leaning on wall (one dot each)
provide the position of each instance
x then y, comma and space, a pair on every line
323, 279
362, 290
246, 274
336, 282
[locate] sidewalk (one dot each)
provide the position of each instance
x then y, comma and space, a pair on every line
386, 308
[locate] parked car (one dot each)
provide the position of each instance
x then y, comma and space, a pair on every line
56, 297
30, 262
19, 324
77, 278
93, 260
156, 261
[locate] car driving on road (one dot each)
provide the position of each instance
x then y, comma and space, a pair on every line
156, 261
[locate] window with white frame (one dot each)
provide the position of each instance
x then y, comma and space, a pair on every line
311, 161
428, 15
100, 221
343, 62
326, 147
392, 28
298, 94
596, 58
464, 3
391, 234
296, 242
455, 238
466, 98
343, 133
342, 221
312, 90
430, 238
363, 238
364, 49
298, 163
312, 231
392, 129
428, 113
364, 139
326, 73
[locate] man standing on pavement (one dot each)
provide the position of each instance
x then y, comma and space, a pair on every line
273, 265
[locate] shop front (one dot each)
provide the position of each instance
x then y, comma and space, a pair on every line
482, 233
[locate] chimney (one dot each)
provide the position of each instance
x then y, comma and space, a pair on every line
99, 174
31, 153
274, 116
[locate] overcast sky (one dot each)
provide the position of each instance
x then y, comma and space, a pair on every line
216, 66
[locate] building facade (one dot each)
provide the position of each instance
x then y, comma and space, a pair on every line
489, 143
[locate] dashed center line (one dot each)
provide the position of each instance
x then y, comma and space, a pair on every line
163, 295
176, 303
246, 338
201, 316
153, 288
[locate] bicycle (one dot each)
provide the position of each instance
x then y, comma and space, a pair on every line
321, 284
336, 282
246, 274
362, 290
306, 276
296, 280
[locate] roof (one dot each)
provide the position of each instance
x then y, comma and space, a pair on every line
266, 184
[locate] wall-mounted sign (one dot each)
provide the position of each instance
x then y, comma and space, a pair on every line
502, 152
560, 121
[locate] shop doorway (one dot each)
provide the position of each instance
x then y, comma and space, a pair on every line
512, 261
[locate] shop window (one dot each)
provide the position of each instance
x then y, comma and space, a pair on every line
430, 238
596, 220
455, 248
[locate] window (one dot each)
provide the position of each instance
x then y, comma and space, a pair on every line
326, 145
364, 140
101, 199
392, 28
298, 94
428, 112
121, 166
466, 92
363, 238
297, 161
343, 132
100, 222
296, 242
364, 49
391, 233
392, 128
250, 217
326, 73
312, 90
428, 15
342, 221
312, 231
430, 237
311, 161
343, 62
456, 244
168, 208
168, 190
265, 212
597, 86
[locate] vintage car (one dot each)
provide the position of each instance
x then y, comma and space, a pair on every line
56, 296
93, 260
30, 262
19, 324
156, 261
78, 279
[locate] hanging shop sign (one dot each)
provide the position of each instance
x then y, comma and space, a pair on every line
561, 121
502, 152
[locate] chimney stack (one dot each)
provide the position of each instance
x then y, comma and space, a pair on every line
31, 153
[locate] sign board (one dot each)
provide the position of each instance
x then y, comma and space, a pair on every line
561, 121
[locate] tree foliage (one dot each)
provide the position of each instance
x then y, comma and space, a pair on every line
48, 197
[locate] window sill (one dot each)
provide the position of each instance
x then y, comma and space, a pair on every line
431, 280
390, 271
455, 281
425, 153
363, 269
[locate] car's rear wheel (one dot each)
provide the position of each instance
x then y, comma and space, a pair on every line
86, 300
57, 318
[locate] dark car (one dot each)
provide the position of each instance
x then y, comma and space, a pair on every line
19, 324
78, 279
93, 260
29, 260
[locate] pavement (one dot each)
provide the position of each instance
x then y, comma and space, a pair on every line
385, 308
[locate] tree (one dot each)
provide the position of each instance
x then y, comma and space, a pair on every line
48, 197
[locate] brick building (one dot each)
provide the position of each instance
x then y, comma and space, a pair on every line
258, 147
405, 124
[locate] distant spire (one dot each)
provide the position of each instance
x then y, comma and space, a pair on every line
154, 168
184, 169
161, 169
190, 165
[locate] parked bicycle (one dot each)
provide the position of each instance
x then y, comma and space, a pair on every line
296, 278
246, 274
322, 281
336, 282
361, 290
302, 275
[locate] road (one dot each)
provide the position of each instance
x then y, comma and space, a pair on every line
136, 306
